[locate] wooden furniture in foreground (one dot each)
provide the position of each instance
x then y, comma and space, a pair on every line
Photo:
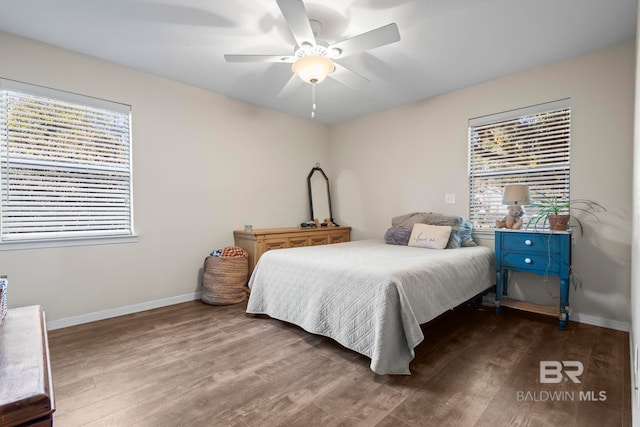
26, 390
258, 241
540, 252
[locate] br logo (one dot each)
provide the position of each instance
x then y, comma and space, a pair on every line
554, 372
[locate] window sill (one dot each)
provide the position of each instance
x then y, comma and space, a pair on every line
57, 243
483, 233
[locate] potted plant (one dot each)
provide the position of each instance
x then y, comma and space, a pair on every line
558, 212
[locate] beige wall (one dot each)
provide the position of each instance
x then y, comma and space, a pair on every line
406, 159
203, 166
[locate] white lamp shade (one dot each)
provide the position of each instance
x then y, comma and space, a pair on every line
313, 68
516, 194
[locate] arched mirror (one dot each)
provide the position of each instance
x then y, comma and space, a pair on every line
319, 195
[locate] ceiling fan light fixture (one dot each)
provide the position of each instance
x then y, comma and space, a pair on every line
334, 52
313, 68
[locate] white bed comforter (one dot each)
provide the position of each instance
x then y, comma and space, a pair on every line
369, 296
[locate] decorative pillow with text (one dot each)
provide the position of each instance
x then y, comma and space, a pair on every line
430, 236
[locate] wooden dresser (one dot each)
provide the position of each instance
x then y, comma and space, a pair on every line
26, 390
258, 241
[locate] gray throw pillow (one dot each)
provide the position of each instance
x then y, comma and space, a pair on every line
397, 236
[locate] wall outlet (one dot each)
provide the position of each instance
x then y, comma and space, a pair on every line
450, 198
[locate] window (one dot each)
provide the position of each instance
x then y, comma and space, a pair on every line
65, 165
526, 146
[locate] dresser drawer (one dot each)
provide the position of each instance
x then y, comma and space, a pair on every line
298, 242
275, 244
530, 242
531, 261
319, 240
339, 237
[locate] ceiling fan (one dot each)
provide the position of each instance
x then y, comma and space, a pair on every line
314, 59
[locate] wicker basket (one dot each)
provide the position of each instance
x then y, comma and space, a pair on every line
225, 280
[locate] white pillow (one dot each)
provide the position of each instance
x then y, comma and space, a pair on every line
430, 236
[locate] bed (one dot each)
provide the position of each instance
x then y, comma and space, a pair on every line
369, 296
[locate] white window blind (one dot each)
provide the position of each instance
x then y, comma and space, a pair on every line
65, 165
526, 146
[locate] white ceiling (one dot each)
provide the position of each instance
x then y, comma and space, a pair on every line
445, 44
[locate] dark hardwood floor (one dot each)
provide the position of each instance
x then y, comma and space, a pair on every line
194, 364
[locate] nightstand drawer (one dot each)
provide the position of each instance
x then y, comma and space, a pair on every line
531, 261
530, 242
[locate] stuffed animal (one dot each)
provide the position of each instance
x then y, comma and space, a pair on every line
513, 220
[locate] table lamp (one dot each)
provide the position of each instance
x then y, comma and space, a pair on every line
514, 195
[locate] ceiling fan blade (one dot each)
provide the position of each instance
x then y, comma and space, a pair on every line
296, 16
260, 58
349, 78
369, 40
291, 87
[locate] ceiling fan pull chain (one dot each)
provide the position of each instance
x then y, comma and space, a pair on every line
313, 100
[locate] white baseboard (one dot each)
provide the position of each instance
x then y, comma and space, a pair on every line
600, 321
488, 300
120, 311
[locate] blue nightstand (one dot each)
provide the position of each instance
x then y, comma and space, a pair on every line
540, 252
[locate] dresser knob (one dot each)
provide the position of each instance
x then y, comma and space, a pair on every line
528, 242
528, 260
